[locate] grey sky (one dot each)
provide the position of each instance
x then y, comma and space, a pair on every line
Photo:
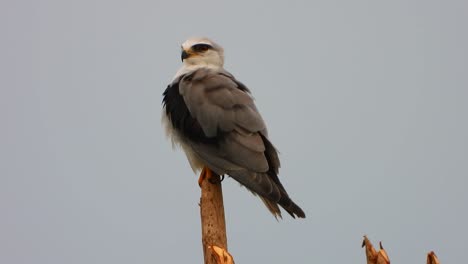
366, 101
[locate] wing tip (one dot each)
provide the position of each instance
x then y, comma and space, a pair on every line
292, 209
295, 211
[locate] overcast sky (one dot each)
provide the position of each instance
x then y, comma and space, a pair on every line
367, 102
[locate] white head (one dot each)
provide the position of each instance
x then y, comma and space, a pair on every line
203, 52
200, 53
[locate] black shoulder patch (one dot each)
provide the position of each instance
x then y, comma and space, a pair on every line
180, 117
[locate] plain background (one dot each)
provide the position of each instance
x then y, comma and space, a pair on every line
366, 101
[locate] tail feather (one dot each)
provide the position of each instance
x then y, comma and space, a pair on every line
272, 207
271, 155
267, 184
271, 194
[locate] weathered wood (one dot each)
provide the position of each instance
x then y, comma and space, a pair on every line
212, 219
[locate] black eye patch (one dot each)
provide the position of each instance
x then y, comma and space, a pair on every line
201, 47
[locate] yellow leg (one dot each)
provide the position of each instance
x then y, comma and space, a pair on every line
205, 174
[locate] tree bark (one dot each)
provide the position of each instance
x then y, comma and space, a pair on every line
212, 219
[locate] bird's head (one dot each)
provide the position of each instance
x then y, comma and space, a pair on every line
202, 52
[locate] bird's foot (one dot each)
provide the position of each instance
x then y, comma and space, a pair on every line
207, 174
222, 255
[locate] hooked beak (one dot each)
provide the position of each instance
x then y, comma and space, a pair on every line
184, 55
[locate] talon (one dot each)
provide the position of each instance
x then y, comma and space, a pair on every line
215, 179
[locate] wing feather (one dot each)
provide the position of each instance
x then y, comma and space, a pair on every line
216, 101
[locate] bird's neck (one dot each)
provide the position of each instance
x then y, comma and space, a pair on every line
186, 68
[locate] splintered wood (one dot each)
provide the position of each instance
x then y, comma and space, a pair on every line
381, 257
432, 258
222, 256
373, 256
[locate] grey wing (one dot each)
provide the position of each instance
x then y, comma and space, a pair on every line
228, 113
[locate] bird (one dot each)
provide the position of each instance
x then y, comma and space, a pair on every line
213, 118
